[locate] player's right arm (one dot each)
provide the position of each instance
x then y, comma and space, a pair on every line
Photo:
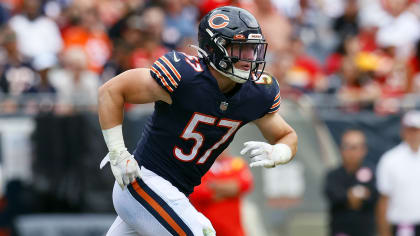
132, 86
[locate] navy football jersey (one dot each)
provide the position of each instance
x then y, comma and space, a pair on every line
181, 140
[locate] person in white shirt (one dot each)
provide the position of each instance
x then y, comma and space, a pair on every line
37, 35
77, 87
398, 182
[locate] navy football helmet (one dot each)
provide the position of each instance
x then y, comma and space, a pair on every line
228, 35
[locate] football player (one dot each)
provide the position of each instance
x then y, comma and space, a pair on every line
200, 103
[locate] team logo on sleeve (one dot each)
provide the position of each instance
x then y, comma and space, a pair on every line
218, 24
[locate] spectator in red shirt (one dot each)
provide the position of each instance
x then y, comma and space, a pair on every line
358, 91
413, 83
349, 47
305, 73
88, 32
219, 195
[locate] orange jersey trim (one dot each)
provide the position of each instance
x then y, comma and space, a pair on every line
166, 72
162, 79
169, 64
277, 96
275, 104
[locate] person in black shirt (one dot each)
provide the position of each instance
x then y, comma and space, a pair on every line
350, 190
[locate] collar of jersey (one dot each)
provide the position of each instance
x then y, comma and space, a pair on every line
213, 81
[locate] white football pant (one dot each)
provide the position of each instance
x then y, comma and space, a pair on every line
151, 206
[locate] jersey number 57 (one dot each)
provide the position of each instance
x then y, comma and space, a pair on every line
191, 133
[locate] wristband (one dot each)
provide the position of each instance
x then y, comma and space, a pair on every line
114, 139
281, 153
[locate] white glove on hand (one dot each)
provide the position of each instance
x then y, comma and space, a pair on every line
123, 166
267, 155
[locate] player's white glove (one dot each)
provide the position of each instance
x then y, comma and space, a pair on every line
123, 165
267, 155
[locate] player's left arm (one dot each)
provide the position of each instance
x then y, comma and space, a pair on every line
282, 142
276, 130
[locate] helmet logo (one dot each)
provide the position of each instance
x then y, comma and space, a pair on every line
221, 25
239, 37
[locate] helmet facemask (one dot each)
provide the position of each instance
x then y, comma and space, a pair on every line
242, 59
228, 52
231, 41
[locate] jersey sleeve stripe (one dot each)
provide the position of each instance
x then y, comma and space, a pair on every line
275, 107
162, 80
167, 74
274, 111
169, 64
276, 104
277, 96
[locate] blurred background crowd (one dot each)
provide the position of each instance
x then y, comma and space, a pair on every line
363, 54
352, 62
